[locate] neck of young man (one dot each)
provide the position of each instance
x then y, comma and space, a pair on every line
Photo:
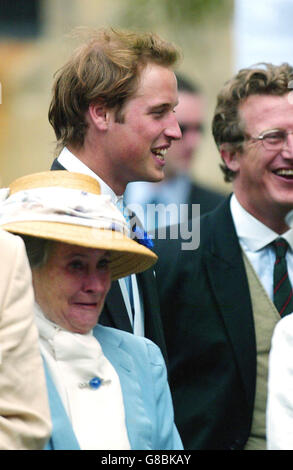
96, 162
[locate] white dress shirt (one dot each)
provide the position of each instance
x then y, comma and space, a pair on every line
254, 238
97, 415
72, 163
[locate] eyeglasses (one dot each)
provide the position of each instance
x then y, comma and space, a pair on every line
275, 139
194, 128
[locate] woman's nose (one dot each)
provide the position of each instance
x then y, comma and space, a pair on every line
97, 282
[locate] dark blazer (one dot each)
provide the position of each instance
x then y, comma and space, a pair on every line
209, 330
207, 198
115, 314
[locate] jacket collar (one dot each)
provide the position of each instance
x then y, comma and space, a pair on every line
115, 348
226, 270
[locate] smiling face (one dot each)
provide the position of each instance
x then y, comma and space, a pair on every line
264, 183
136, 147
71, 287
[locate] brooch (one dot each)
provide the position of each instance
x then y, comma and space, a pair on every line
94, 383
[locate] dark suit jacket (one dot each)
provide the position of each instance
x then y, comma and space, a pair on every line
207, 198
209, 330
115, 314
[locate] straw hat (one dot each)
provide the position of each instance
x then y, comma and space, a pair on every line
43, 205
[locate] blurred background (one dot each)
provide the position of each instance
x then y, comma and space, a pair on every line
217, 37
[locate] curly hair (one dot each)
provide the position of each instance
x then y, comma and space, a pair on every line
106, 67
261, 79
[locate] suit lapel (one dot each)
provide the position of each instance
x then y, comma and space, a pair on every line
114, 313
138, 424
153, 321
230, 286
62, 437
57, 166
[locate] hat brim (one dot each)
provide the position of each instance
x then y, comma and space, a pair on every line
127, 256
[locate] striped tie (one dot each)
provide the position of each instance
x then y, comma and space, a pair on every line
283, 298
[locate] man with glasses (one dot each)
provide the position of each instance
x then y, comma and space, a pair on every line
178, 186
232, 291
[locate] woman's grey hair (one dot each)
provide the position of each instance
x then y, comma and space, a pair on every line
37, 249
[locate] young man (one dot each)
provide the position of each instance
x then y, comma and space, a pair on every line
229, 294
113, 115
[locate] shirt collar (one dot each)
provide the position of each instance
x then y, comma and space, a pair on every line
252, 233
72, 163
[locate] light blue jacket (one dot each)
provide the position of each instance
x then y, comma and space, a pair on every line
147, 399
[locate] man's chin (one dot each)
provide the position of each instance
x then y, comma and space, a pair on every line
153, 178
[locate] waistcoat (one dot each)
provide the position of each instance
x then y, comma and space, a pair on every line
265, 317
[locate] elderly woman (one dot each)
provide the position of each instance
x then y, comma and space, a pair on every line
107, 388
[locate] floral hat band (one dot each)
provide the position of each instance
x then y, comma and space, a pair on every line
67, 207
56, 204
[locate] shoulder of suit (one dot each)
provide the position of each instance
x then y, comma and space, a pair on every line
115, 333
8, 240
5, 236
128, 340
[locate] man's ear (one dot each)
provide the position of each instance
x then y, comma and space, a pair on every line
99, 115
230, 157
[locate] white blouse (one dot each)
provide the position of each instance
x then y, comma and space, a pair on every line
97, 414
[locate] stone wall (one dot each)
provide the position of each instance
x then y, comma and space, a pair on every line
27, 68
